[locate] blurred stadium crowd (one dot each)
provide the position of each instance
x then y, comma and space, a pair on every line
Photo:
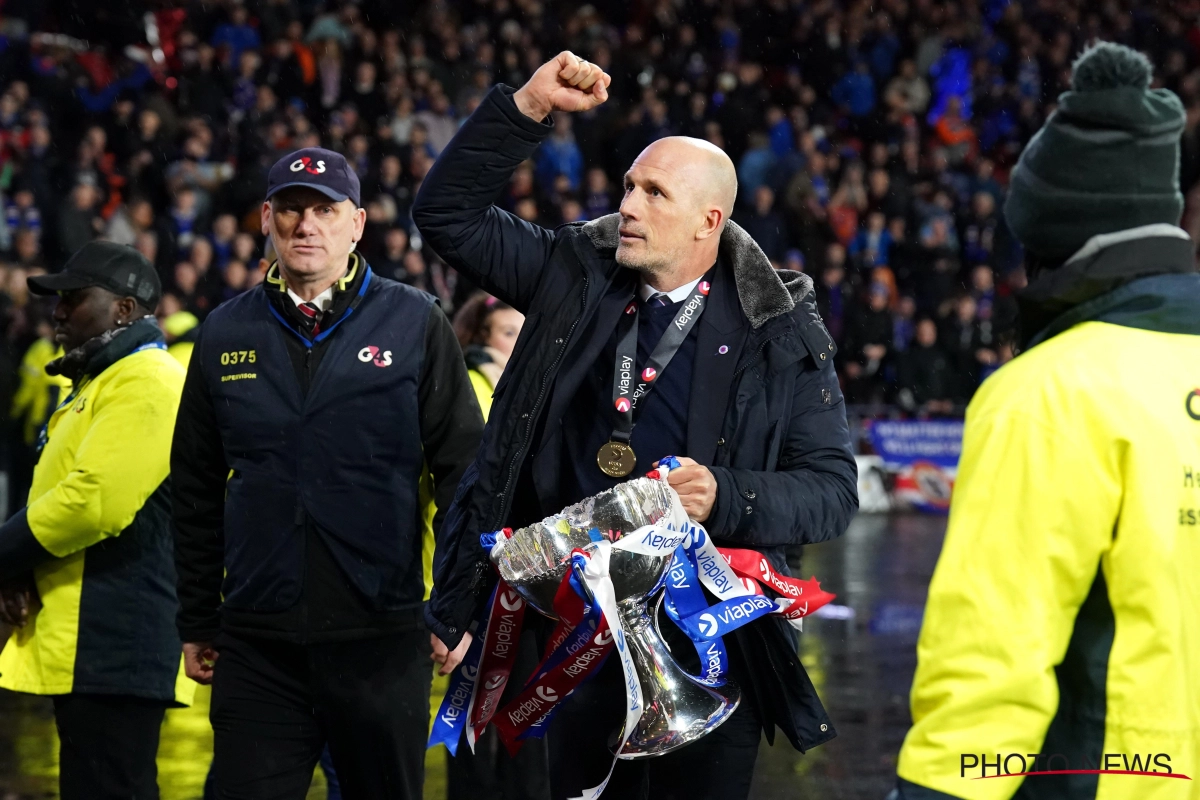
872, 141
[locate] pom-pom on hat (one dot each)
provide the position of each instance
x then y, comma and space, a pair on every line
1106, 160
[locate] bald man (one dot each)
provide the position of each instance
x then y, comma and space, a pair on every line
659, 330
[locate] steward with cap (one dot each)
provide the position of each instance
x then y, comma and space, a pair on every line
86, 571
313, 406
1061, 636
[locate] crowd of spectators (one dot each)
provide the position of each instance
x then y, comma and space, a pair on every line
872, 140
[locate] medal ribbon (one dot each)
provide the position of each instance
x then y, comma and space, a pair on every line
558, 675
579, 638
578, 622
499, 652
683, 598
599, 583
800, 598
629, 387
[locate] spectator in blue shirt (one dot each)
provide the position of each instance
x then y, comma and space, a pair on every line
754, 170
872, 244
885, 46
779, 128
560, 155
855, 91
237, 34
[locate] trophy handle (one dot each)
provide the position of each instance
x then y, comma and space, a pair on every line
678, 709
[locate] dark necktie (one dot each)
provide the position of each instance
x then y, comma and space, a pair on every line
312, 312
658, 300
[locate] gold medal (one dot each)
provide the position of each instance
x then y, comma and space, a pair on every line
616, 460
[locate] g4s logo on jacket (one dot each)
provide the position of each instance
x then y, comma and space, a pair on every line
372, 354
306, 165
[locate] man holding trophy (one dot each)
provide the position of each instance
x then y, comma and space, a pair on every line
660, 330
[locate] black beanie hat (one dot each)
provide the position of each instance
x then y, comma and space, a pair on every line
1106, 160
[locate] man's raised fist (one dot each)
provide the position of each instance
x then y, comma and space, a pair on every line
565, 83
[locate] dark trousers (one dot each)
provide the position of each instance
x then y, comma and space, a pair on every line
276, 705
720, 765
108, 744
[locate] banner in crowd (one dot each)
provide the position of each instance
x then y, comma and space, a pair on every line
923, 457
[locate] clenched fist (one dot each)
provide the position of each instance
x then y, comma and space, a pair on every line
565, 83
198, 661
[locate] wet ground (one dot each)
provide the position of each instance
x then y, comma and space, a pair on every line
861, 667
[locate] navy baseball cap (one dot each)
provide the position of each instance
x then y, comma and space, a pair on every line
317, 168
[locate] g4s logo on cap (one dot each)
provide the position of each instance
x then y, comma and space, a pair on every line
305, 164
372, 354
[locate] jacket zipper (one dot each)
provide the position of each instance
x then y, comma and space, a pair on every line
302, 518
754, 358
520, 457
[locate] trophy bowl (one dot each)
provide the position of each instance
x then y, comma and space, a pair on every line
678, 709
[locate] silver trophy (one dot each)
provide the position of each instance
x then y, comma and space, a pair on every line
678, 708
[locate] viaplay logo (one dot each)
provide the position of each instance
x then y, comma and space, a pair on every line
981, 766
511, 600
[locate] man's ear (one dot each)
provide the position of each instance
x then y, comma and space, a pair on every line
266, 218
360, 222
712, 223
127, 310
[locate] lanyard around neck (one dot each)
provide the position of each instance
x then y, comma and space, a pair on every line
629, 386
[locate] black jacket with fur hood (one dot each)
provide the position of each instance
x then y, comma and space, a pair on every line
766, 414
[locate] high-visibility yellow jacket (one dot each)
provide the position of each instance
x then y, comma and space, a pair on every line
182, 327
1063, 618
485, 365
96, 534
37, 393
483, 391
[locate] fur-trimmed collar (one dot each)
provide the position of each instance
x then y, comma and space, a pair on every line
764, 292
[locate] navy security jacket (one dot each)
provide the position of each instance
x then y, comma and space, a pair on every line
300, 462
765, 412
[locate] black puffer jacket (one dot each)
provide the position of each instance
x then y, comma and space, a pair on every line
765, 414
